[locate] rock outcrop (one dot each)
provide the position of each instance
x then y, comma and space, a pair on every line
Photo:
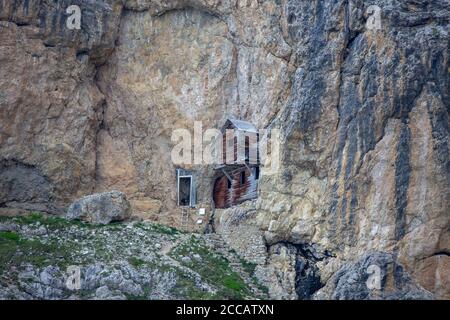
100, 208
353, 281
363, 114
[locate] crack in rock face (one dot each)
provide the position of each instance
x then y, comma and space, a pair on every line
292, 270
308, 279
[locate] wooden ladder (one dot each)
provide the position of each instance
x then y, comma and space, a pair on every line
184, 218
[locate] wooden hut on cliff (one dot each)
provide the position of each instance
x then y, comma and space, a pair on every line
236, 178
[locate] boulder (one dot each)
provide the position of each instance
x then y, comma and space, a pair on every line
374, 276
101, 208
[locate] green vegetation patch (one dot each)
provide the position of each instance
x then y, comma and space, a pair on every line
249, 267
15, 251
9, 236
157, 228
164, 229
136, 262
213, 269
187, 288
50, 222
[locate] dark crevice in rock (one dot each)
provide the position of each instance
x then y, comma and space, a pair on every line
82, 52
440, 253
210, 227
154, 12
402, 176
308, 278
22, 24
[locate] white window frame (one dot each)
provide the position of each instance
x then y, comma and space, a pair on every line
191, 190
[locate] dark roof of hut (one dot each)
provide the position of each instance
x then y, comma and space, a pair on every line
241, 125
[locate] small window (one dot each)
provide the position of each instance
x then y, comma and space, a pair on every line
184, 191
256, 173
228, 183
242, 177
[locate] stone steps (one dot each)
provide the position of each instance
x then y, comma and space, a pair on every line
217, 242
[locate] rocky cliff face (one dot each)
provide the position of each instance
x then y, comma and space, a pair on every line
363, 114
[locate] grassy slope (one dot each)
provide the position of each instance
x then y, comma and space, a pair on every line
65, 243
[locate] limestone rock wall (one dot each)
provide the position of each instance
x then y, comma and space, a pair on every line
50, 106
363, 116
366, 158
